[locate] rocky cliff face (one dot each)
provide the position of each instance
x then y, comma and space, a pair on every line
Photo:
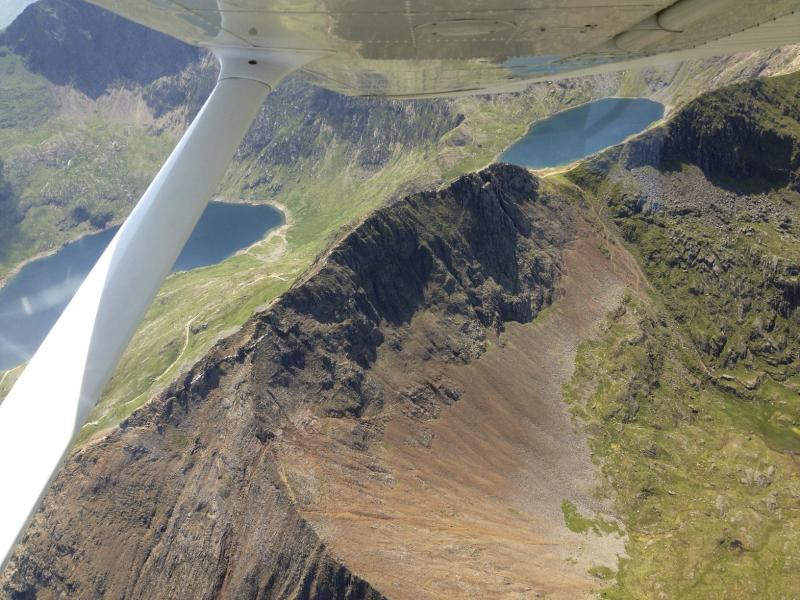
742, 132
299, 116
300, 121
76, 44
713, 194
192, 496
692, 401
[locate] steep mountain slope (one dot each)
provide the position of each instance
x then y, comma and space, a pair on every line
122, 52
77, 163
396, 423
72, 123
692, 395
338, 427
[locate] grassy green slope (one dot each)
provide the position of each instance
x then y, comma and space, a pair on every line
708, 495
691, 393
69, 175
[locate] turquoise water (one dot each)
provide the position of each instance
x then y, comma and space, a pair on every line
32, 301
576, 133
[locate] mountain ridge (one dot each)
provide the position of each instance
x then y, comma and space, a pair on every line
90, 49
379, 426
314, 350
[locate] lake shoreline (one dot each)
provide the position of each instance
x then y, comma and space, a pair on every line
550, 171
288, 221
4, 279
667, 110
32, 298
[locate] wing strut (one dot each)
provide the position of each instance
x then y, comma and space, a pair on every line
62, 382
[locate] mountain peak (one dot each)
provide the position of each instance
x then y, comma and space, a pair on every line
77, 44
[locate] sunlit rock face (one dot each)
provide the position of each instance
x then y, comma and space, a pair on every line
76, 44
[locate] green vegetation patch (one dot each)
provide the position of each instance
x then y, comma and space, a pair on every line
709, 506
602, 573
25, 99
689, 394
578, 523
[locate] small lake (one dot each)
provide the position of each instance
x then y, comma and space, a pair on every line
578, 132
32, 300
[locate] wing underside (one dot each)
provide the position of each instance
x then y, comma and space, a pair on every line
419, 47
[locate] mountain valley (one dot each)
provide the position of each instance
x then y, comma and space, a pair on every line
443, 377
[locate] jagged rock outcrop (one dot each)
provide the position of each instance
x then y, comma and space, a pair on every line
77, 44
299, 115
188, 498
742, 132
710, 200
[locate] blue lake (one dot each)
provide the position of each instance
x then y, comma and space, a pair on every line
576, 133
32, 300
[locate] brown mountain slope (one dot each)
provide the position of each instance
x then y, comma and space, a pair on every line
468, 504
392, 425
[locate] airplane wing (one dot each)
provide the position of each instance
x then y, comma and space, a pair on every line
418, 48
409, 48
